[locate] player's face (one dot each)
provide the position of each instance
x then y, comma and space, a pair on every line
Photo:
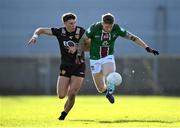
107, 27
70, 25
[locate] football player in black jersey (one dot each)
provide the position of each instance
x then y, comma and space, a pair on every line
71, 73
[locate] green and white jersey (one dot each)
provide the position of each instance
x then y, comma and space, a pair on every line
102, 43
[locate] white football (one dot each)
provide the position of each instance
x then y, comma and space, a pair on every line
114, 78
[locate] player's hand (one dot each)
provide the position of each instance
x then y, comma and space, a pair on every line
72, 50
150, 50
79, 59
32, 40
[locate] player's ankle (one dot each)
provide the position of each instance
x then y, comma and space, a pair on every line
63, 112
105, 91
63, 115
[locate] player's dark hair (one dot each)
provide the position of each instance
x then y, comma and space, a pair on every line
68, 16
108, 18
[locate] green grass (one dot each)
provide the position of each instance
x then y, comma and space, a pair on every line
90, 111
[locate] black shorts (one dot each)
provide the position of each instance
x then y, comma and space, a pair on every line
72, 70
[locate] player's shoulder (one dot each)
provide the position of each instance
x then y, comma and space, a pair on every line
96, 26
81, 28
56, 31
57, 28
116, 26
62, 27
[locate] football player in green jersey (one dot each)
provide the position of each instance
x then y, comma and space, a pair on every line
102, 36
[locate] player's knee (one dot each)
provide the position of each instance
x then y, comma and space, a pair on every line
71, 96
73, 91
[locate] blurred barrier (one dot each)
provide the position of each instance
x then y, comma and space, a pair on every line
141, 75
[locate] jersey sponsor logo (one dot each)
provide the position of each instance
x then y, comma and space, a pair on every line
69, 43
71, 46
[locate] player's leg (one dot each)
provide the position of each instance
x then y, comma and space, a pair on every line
63, 83
97, 75
62, 86
109, 66
99, 81
76, 79
106, 69
75, 85
100, 69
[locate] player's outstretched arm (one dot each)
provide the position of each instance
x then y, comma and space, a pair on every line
40, 31
141, 43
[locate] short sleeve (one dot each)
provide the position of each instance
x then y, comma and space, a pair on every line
90, 31
121, 32
55, 31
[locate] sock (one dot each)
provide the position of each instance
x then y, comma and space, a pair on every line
63, 115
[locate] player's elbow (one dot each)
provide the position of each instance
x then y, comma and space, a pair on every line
39, 31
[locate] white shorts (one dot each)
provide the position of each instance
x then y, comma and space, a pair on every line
96, 65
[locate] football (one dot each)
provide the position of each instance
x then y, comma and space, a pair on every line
114, 78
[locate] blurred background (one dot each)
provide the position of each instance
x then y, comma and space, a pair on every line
34, 69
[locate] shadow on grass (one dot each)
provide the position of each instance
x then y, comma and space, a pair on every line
137, 121
126, 121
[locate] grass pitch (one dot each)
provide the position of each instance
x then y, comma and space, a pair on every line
90, 112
